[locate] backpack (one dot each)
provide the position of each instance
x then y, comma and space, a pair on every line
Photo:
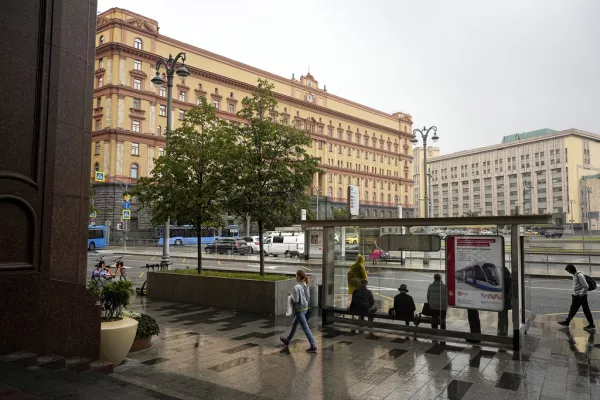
591, 282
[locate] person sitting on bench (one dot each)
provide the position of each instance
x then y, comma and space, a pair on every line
363, 302
404, 305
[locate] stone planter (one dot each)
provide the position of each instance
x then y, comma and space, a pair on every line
141, 343
116, 338
266, 297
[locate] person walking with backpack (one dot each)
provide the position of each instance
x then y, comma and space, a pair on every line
579, 299
300, 300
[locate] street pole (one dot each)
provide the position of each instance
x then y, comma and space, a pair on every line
158, 81
424, 134
588, 190
582, 229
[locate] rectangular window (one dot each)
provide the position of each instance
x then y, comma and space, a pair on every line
161, 151
137, 64
101, 63
137, 103
330, 147
98, 125
159, 130
181, 115
162, 92
98, 102
97, 149
135, 125
100, 80
162, 111
181, 95
216, 104
137, 84
135, 149
321, 144
231, 108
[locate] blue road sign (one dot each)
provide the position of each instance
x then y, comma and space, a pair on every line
99, 176
126, 205
126, 214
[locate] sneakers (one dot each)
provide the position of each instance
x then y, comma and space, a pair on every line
311, 350
285, 341
563, 323
590, 328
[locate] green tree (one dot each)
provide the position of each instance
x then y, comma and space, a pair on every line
189, 182
275, 166
341, 213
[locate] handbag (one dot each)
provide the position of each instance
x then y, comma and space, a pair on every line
290, 307
426, 310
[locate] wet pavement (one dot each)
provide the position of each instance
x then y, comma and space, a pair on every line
205, 353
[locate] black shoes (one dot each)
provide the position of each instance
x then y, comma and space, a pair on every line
311, 350
590, 328
284, 341
563, 323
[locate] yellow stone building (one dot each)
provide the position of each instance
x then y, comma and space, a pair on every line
357, 145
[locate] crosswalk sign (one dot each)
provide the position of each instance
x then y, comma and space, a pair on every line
99, 176
126, 214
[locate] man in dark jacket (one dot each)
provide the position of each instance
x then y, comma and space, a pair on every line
404, 305
363, 302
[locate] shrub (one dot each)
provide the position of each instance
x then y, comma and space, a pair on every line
147, 326
114, 297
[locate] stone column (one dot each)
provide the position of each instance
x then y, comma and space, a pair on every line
46, 116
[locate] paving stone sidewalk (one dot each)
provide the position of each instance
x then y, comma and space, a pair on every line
204, 353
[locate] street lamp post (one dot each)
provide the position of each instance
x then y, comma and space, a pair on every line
588, 190
171, 69
424, 135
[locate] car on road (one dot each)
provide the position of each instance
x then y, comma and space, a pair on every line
352, 240
553, 234
228, 246
253, 242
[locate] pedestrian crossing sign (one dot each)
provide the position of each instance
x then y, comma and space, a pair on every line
99, 176
126, 214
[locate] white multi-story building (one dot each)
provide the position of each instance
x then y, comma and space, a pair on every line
529, 173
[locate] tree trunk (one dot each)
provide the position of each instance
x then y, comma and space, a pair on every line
262, 253
199, 236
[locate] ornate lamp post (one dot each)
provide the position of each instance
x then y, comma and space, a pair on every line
171, 69
424, 135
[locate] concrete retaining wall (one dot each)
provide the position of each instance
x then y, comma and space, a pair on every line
230, 293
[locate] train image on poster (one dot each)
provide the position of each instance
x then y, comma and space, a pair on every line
483, 276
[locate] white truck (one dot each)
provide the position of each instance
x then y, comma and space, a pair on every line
287, 245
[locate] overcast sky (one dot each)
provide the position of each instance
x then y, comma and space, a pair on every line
478, 70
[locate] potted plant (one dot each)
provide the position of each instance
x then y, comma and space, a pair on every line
117, 332
147, 327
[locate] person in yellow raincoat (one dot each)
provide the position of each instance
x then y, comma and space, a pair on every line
356, 274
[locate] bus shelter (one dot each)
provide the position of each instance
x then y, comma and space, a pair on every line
483, 291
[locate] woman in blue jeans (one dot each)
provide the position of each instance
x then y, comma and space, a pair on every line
300, 299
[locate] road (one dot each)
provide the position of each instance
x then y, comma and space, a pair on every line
548, 296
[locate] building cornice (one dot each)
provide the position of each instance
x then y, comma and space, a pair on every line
517, 143
184, 46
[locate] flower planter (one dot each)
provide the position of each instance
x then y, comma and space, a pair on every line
141, 343
116, 338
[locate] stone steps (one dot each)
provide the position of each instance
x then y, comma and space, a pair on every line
54, 362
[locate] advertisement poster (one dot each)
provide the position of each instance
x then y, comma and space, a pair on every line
474, 272
353, 200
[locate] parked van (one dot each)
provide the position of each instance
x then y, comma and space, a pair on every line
285, 245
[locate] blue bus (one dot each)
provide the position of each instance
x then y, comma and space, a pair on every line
97, 235
186, 234
483, 276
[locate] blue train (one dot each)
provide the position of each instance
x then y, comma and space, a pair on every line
483, 276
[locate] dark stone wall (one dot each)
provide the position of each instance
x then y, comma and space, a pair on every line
47, 52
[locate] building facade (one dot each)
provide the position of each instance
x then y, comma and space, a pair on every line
419, 179
357, 145
531, 173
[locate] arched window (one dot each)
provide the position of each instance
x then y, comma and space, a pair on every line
137, 43
134, 171
329, 192
381, 197
339, 193
96, 167
367, 213
396, 199
389, 198
101, 39
366, 195
374, 196
405, 199
159, 130
382, 214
